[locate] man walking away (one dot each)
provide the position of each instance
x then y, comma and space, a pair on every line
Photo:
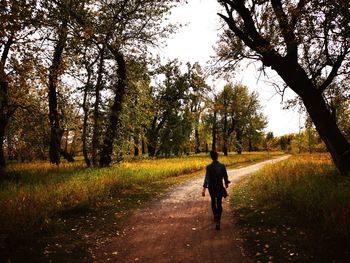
214, 176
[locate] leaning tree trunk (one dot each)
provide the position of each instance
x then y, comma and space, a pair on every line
114, 117
326, 126
55, 129
328, 130
292, 73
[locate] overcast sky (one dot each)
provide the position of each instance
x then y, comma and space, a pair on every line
194, 43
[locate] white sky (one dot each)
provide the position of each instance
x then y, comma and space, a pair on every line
194, 43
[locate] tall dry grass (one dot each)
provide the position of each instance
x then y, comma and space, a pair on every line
308, 184
40, 190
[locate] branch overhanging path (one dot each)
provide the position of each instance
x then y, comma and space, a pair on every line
180, 228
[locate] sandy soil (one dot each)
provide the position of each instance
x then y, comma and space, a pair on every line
180, 228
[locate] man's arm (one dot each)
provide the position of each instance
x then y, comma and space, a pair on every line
225, 176
206, 181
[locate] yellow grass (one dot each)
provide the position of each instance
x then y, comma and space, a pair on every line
39, 190
308, 184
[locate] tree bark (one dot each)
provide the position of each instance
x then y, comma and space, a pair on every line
152, 145
55, 129
96, 127
250, 144
3, 118
197, 142
4, 107
136, 145
86, 116
239, 142
328, 130
213, 146
153, 133
143, 146
3, 123
225, 134
114, 118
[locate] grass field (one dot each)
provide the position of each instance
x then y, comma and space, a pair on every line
39, 191
296, 210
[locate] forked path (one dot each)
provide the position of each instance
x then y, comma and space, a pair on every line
180, 228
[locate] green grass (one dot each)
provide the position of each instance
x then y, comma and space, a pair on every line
298, 209
39, 191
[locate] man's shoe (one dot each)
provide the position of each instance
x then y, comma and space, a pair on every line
217, 225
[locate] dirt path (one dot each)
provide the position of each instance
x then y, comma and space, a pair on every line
180, 228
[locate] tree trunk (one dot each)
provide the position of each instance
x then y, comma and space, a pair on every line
250, 145
152, 135
225, 134
4, 107
136, 145
114, 117
328, 130
213, 146
143, 146
3, 123
56, 132
197, 142
86, 116
96, 129
239, 142
296, 78
152, 145
3, 119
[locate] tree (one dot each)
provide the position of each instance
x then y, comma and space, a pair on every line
19, 20
240, 112
198, 89
306, 43
227, 109
136, 110
58, 27
130, 27
169, 120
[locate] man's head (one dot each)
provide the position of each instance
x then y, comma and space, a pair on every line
214, 155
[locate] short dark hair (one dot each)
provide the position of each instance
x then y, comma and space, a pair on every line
214, 155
